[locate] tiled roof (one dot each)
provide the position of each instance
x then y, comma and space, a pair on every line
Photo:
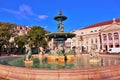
102, 23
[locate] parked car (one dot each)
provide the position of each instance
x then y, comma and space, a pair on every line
114, 50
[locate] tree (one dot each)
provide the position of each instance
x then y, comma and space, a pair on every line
6, 31
20, 44
20, 41
37, 36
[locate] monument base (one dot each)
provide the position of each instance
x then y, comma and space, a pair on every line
28, 63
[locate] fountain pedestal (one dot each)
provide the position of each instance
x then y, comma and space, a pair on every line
28, 63
52, 58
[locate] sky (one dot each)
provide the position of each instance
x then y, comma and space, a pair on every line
79, 13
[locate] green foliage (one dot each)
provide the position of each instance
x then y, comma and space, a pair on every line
6, 31
37, 36
60, 53
70, 53
20, 40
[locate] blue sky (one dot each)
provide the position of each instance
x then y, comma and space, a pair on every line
80, 13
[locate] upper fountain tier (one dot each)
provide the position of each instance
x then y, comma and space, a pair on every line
60, 35
60, 17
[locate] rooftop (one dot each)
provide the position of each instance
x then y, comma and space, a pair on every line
103, 23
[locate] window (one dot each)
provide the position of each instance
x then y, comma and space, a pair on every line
20, 27
95, 30
92, 41
91, 31
104, 37
111, 46
116, 35
117, 45
109, 36
96, 40
81, 32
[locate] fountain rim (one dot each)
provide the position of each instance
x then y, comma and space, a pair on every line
12, 72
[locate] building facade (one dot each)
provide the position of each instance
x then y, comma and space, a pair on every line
22, 30
104, 35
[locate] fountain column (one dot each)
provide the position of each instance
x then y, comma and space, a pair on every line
60, 37
60, 18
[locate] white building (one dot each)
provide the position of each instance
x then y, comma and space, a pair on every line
22, 30
104, 35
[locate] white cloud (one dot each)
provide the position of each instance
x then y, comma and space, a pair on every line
25, 11
10, 11
18, 13
42, 16
45, 27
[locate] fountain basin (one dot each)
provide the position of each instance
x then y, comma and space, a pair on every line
99, 73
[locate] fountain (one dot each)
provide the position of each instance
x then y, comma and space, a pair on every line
60, 37
75, 68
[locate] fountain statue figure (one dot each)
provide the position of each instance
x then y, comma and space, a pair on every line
60, 27
92, 52
28, 51
94, 57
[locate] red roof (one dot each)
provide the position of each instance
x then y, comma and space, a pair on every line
102, 23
